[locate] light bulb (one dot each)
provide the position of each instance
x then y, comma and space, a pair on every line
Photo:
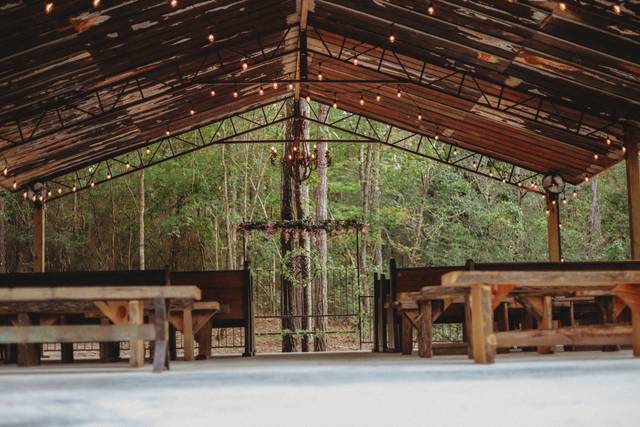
595, 157
48, 7
235, 94
617, 9
290, 86
320, 76
212, 92
261, 92
392, 38
563, 6
419, 116
211, 38
586, 178
361, 100
167, 132
355, 61
308, 98
192, 111
59, 190
275, 85
148, 150
15, 185
608, 141
378, 98
244, 66
5, 171
93, 184
624, 149
109, 176
174, 3
335, 104
399, 93
74, 188
431, 9
96, 3
128, 165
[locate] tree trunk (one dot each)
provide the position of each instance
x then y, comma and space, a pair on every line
141, 222
231, 260
594, 221
304, 264
289, 342
320, 308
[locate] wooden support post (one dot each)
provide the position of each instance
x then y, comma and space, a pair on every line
554, 242
204, 341
136, 347
187, 333
172, 342
632, 142
484, 341
468, 324
425, 331
407, 335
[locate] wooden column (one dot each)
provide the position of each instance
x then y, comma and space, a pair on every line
484, 341
468, 324
631, 141
555, 255
136, 347
204, 341
187, 333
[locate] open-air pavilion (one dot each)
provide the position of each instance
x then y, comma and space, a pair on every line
538, 95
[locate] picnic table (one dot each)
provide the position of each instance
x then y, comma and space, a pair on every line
483, 291
107, 299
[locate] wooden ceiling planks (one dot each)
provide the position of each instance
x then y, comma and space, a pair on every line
521, 81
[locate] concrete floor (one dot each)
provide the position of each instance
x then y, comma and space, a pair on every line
581, 389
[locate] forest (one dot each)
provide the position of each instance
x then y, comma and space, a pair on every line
185, 214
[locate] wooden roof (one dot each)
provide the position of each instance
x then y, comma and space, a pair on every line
521, 81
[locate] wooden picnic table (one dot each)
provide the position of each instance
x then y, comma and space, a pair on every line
486, 289
107, 299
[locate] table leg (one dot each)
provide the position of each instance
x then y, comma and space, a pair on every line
187, 333
407, 335
136, 347
161, 322
484, 344
425, 333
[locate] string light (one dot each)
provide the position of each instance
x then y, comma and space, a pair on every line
392, 38
378, 98
127, 166
93, 184
109, 175
244, 65
355, 61
308, 98
624, 149
455, 151
595, 156
575, 193
564, 201
617, 9
5, 171
320, 76
399, 93
419, 116
74, 188
192, 111
290, 86
49, 193
15, 185
167, 132
608, 140
174, 3
59, 190
211, 38
148, 150
235, 93
437, 137
586, 178
25, 194
48, 7
275, 85
563, 6
261, 92
96, 3
431, 9
335, 101
212, 92
361, 100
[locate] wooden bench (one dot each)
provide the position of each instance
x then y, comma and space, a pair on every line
136, 332
226, 302
484, 289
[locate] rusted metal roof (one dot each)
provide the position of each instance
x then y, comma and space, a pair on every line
521, 81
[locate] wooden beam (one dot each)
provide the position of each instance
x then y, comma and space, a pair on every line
136, 345
482, 324
74, 333
574, 336
97, 293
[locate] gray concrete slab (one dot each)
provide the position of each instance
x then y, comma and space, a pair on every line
356, 389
